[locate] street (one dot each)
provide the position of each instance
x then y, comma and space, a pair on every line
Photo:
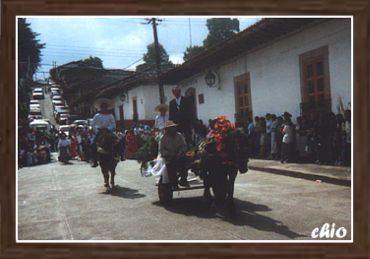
68, 202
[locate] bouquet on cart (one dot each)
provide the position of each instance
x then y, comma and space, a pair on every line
147, 152
151, 162
226, 144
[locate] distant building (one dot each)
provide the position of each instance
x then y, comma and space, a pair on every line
81, 83
299, 65
135, 99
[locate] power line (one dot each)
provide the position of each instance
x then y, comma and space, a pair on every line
97, 52
137, 61
88, 47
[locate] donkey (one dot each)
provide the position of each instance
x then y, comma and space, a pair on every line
219, 170
106, 144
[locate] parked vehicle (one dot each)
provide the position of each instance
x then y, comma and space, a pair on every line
60, 110
38, 89
35, 110
57, 103
81, 122
40, 124
63, 119
34, 106
57, 97
34, 102
38, 95
53, 93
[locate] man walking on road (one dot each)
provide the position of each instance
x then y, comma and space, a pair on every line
103, 120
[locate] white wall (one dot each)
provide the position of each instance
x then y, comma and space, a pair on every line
275, 73
147, 99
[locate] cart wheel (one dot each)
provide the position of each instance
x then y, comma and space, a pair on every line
164, 192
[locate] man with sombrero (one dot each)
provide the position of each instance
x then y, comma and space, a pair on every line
172, 148
103, 120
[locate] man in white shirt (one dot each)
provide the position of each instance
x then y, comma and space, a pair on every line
162, 117
103, 120
172, 148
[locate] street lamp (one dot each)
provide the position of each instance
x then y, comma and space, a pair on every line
210, 78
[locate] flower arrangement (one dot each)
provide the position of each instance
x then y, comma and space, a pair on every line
222, 128
148, 151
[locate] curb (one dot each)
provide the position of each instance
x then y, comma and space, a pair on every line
306, 176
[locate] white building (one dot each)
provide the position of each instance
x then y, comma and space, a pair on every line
296, 65
135, 98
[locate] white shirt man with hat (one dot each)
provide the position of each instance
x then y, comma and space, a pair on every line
172, 148
102, 121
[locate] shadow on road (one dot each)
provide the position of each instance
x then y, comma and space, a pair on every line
246, 214
125, 192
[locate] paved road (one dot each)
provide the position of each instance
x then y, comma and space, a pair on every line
68, 202
47, 108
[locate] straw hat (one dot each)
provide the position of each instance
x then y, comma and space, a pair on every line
100, 101
170, 124
161, 106
287, 114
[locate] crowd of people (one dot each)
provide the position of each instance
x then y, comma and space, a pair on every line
322, 138
34, 146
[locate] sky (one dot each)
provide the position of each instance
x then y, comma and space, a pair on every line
119, 41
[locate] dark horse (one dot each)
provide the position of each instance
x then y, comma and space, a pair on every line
106, 143
219, 170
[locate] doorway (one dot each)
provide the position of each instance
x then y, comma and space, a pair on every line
190, 94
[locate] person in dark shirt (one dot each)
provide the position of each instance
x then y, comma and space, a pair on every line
180, 112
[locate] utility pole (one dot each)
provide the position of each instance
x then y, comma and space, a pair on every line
191, 42
154, 21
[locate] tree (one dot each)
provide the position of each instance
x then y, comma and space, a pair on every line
93, 61
29, 48
220, 29
149, 56
29, 58
192, 51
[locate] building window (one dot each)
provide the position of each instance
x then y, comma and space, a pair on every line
201, 98
243, 106
315, 84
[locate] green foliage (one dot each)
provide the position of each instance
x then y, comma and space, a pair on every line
148, 151
29, 58
220, 29
29, 48
93, 61
149, 56
192, 51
